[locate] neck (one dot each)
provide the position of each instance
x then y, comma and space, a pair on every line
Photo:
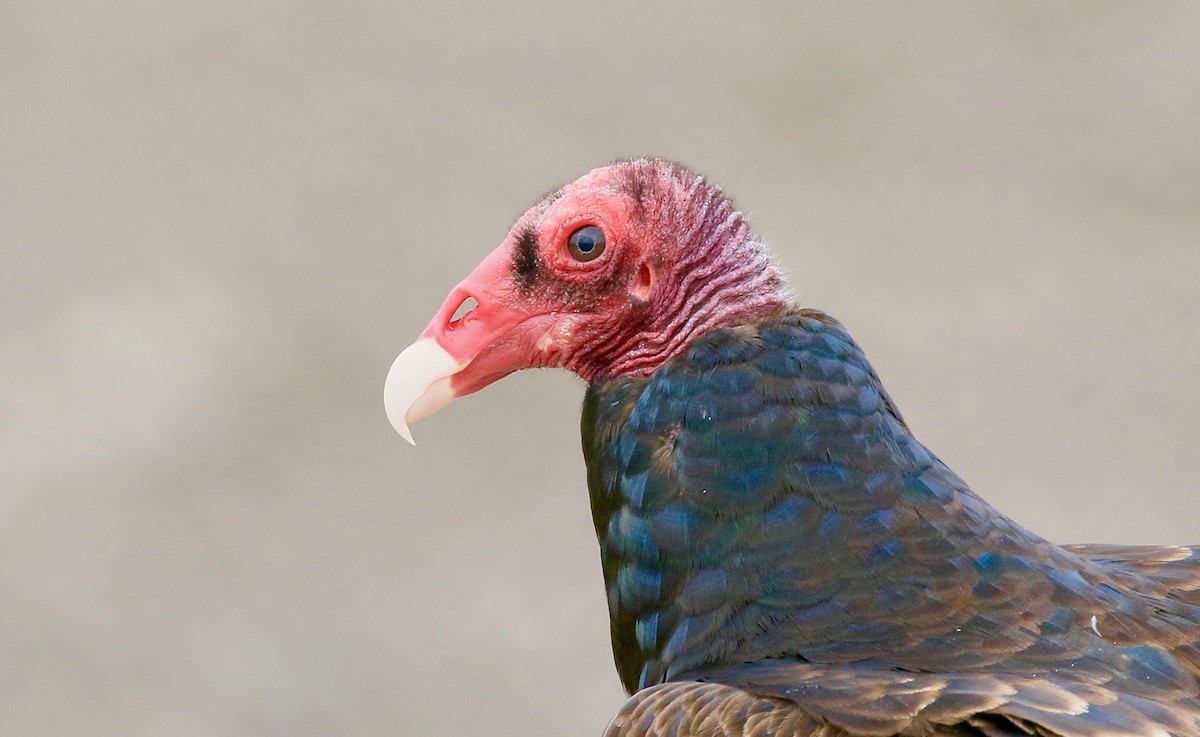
723, 278
745, 288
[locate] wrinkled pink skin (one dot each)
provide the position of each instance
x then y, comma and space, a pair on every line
679, 261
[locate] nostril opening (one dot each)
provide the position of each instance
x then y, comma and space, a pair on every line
468, 304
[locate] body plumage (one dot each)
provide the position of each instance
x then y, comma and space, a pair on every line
767, 521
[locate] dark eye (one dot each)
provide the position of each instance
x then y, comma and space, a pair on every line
587, 243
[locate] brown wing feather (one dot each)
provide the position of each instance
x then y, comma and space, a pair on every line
1167, 577
1156, 570
782, 699
695, 709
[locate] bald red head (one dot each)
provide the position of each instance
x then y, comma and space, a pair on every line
613, 274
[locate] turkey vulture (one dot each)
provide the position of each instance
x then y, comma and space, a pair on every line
781, 555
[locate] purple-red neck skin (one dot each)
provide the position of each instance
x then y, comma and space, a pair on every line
700, 270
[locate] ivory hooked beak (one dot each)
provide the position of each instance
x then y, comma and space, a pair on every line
492, 339
418, 384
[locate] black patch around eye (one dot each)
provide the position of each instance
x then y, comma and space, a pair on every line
525, 260
586, 243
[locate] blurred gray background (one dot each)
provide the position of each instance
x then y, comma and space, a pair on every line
221, 220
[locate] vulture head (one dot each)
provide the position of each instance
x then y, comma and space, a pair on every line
611, 275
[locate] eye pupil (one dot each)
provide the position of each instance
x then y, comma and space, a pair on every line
586, 243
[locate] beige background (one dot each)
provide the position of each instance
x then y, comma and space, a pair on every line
220, 221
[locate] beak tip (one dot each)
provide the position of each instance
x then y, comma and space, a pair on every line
400, 425
422, 368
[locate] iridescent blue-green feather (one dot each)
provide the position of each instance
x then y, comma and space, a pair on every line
765, 516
